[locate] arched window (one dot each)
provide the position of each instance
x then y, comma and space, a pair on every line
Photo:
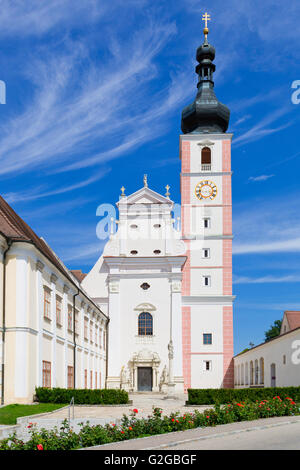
262, 370
256, 371
251, 373
145, 326
246, 374
206, 159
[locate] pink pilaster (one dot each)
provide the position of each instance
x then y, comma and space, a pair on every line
228, 368
186, 346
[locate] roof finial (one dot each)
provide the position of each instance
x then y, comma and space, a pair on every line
206, 18
145, 181
167, 193
123, 191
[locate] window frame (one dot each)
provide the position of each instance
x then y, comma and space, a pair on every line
47, 303
46, 368
58, 311
208, 219
205, 337
208, 277
70, 377
70, 318
146, 327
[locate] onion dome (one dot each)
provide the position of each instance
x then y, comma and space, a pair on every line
206, 114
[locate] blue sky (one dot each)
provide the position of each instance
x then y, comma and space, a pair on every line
95, 91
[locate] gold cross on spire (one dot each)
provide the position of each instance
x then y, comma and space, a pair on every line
206, 18
123, 191
167, 188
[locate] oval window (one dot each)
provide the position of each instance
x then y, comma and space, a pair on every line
134, 252
157, 252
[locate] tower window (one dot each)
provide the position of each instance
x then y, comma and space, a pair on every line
145, 324
206, 222
207, 338
206, 159
205, 253
206, 365
206, 281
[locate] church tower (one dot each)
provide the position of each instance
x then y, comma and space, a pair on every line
207, 301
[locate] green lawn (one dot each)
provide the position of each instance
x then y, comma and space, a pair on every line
10, 413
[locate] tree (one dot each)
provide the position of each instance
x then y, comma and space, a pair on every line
273, 331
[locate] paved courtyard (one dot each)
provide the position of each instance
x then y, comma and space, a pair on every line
144, 402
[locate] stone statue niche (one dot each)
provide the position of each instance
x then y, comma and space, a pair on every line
126, 379
164, 380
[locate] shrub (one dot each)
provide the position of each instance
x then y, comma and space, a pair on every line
210, 396
82, 396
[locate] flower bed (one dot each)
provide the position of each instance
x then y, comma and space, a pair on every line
133, 427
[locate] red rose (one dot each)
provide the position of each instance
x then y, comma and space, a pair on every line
40, 447
135, 410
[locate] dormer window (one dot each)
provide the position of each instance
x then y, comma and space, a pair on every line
206, 159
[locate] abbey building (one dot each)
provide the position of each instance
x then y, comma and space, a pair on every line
155, 311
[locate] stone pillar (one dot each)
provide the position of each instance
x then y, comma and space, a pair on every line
114, 346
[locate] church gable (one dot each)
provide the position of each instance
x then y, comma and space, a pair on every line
146, 196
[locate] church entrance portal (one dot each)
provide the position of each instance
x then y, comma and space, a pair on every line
144, 379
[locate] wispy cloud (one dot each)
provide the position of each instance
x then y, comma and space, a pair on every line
107, 109
260, 178
266, 279
267, 226
19, 18
264, 127
38, 193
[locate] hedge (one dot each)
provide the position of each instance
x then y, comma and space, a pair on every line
81, 396
210, 396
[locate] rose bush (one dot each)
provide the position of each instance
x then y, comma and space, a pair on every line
133, 427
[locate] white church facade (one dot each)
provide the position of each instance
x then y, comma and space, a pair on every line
167, 290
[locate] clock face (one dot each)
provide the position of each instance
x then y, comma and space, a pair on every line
206, 190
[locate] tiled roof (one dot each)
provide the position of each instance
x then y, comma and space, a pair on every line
293, 318
78, 274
